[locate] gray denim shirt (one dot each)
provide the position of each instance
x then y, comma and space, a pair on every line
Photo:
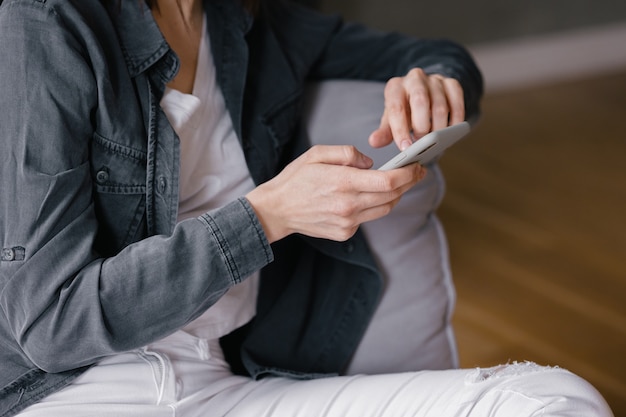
93, 262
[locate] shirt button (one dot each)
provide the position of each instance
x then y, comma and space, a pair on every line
162, 185
8, 254
102, 176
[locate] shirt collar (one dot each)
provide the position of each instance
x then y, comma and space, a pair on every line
144, 45
140, 37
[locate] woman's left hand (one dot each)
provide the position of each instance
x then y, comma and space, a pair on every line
417, 104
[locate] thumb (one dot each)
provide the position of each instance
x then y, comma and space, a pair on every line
346, 155
381, 136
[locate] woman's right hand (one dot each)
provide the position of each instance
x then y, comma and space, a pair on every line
328, 192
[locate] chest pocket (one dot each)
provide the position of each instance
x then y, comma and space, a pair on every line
119, 177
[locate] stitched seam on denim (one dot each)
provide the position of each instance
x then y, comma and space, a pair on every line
259, 230
18, 406
222, 244
115, 148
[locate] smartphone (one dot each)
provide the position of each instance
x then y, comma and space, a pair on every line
428, 147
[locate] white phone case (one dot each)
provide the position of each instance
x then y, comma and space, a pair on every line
428, 147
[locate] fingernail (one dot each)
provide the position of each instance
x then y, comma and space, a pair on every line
405, 144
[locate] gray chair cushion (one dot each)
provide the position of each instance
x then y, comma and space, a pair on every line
411, 329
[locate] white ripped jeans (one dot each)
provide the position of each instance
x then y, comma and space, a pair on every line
185, 376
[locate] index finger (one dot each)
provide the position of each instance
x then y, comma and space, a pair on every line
397, 113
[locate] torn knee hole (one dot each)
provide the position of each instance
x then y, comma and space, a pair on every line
507, 370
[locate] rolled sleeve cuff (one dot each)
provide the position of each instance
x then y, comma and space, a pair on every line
240, 237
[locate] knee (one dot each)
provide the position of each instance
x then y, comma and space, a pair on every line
545, 390
567, 394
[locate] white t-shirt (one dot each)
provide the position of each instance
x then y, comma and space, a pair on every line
213, 173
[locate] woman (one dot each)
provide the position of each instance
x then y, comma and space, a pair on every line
155, 155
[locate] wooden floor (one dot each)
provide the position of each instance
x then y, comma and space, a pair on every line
536, 217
